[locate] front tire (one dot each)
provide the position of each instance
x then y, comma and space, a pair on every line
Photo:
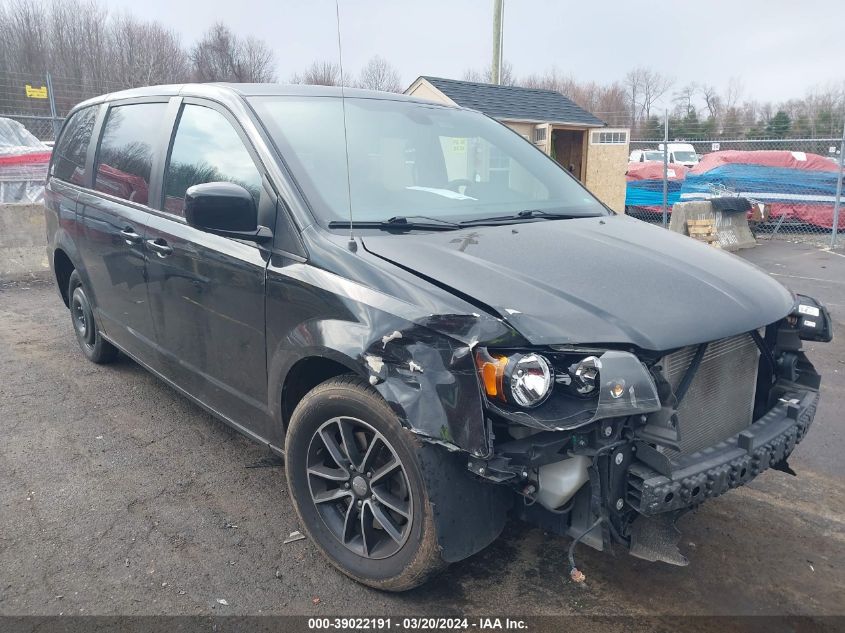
94, 346
355, 478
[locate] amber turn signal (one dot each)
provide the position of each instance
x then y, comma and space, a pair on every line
492, 371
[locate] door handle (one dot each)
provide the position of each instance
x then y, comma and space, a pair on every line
130, 236
160, 247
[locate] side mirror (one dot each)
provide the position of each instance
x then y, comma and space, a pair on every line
225, 209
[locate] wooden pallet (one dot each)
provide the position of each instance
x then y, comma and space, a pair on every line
703, 231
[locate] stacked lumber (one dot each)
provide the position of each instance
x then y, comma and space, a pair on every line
703, 231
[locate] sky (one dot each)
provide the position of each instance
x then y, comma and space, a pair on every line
778, 48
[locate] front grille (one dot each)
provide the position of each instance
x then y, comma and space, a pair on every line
720, 400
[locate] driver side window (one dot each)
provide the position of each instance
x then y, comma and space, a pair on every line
206, 148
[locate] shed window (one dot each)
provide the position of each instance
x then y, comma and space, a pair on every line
539, 134
609, 138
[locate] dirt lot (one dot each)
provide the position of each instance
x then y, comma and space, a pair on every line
118, 496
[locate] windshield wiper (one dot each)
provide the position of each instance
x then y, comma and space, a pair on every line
399, 222
528, 214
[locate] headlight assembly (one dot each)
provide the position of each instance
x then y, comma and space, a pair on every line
590, 387
525, 380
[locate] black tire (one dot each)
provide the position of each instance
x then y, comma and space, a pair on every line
391, 564
91, 342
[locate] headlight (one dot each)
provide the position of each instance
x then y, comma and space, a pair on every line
531, 380
522, 379
585, 376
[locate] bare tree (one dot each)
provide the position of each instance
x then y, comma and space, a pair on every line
379, 74
634, 86
608, 102
507, 76
551, 80
257, 60
26, 36
733, 93
645, 87
654, 86
145, 53
222, 56
684, 98
319, 74
712, 100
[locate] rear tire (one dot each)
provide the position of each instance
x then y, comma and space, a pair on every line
352, 469
91, 342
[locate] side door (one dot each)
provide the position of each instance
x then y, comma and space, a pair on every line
206, 292
114, 213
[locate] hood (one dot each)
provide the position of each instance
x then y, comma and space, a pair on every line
595, 280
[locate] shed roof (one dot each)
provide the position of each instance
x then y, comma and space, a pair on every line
515, 103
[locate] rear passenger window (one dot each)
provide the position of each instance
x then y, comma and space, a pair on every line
125, 158
206, 149
72, 147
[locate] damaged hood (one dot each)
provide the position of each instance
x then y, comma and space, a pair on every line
594, 280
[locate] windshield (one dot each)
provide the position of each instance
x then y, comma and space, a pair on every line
654, 155
685, 157
411, 159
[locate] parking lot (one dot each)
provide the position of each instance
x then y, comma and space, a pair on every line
119, 496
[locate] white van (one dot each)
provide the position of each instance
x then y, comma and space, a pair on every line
645, 155
681, 153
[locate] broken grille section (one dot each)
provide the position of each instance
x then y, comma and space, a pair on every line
720, 399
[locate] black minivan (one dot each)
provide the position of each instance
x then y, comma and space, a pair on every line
434, 324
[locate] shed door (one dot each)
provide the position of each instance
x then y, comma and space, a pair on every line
569, 150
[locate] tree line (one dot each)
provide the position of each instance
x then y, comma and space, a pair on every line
696, 110
90, 51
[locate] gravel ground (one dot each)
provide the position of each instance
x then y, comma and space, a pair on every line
119, 496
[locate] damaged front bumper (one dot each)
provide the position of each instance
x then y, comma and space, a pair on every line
717, 415
658, 484
626, 480
638, 491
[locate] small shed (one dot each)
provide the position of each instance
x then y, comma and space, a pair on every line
580, 141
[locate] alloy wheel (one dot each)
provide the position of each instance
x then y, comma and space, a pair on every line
360, 488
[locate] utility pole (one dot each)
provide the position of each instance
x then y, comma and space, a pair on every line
496, 70
838, 200
666, 169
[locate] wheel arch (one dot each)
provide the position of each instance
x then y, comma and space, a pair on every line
63, 267
305, 374
64, 259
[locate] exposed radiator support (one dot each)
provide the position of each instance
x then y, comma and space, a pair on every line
719, 402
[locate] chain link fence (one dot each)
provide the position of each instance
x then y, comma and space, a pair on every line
28, 99
794, 184
40, 102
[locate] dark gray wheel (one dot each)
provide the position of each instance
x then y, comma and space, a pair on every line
360, 487
355, 477
93, 345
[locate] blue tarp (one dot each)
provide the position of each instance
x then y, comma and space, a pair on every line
766, 184
649, 193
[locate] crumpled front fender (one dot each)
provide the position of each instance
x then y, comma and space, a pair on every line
421, 363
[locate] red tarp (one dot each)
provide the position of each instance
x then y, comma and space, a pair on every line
766, 157
653, 170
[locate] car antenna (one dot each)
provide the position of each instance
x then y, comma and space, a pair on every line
352, 244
